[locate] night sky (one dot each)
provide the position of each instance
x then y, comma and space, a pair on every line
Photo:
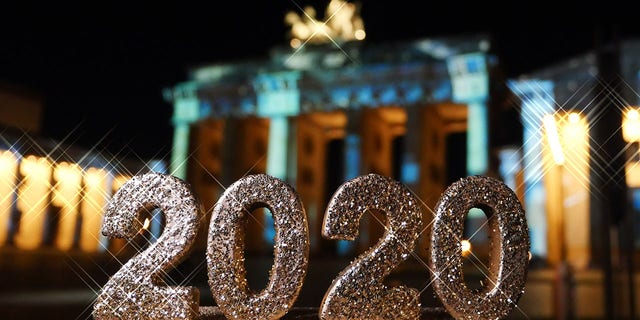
100, 67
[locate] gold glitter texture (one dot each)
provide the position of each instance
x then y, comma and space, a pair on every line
225, 250
137, 290
358, 291
508, 256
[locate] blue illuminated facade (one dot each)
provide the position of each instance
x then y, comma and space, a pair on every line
350, 80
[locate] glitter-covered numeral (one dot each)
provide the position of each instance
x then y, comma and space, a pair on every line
137, 290
509, 254
358, 291
225, 250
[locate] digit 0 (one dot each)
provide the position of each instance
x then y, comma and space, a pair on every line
225, 250
508, 256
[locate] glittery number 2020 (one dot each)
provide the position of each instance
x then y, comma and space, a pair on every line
137, 290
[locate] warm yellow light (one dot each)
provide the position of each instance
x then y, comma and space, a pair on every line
295, 43
32, 201
342, 23
118, 181
466, 247
553, 138
8, 167
146, 224
573, 132
67, 172
34, 166
97, 183
574, 117
67, 187
93, 177
631, 125
7, 161
632, 174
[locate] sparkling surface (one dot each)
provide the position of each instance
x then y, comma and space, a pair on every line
358, 291
225, 250
310, 313
509, 254
137, 290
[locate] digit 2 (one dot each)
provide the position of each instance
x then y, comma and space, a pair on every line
137, 290
358, 291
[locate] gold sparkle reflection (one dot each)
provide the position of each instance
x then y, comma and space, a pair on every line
466, 247
608, 94
539, 117
315, 27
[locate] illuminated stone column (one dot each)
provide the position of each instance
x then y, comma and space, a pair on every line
470, 85
537, 100
8, 178
186, 110
567, 182
66, 196
277, 155
97, 184
278, 98
33, 202
511, 169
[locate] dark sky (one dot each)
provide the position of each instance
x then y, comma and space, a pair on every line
100, 67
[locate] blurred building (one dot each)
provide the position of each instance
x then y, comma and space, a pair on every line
317, 116
580, 167
52, 193
426, 113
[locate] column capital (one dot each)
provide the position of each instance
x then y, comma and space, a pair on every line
469, 76
186, 105
531, 88
277, 93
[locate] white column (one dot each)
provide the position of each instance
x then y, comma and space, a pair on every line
537, 101
186, 110
470, 85
277, 154
278, 98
